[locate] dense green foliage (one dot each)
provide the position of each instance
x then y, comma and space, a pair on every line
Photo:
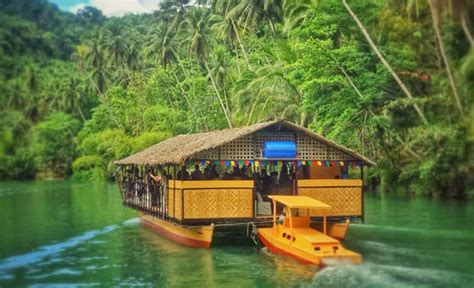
79, 91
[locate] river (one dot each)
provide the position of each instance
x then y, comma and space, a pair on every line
78, 234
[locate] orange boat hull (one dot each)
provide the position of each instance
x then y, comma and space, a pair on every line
198, 237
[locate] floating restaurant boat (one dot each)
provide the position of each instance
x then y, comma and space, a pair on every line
234, 175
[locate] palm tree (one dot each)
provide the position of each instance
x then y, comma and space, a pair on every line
116, 44
221, 72
226, 24
173, 12
267, 93
458, 8
251, 12
96, 61
385, 62
435, 9
296, 12
197, 36
162, 46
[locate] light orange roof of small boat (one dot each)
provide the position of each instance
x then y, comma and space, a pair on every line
299, 202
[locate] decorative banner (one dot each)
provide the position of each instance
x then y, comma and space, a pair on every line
341, 163
232, 163
216, 162
241, 163
293, 163
246, 162
331, 163
251, 162
303, 162
222, 162
257, 163
319, 163
298, 163
328, 164
203, 162
309, 163
227, 163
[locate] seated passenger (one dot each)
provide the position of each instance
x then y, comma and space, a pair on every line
266, 182
244, 173
284, 177
182, 174
196, 174
236, 173
214, 171
208, 174
227, 176
274, 176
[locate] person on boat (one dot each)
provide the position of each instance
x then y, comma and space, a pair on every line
281, 218
227, 176
214, 171
236, 173
208, 175
153, 183
183, 174
274, 176
244, 173
266, 181
284, 177
196, 174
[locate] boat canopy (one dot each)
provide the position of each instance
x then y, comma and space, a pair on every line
255, 142
304, 202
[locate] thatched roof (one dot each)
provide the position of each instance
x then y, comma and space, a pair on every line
178, 149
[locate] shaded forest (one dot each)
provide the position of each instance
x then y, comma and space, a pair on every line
391, 79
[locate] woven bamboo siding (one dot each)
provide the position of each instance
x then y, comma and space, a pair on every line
344, 196
218, 203
175, 208
209, 199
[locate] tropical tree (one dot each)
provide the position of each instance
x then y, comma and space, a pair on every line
196, 31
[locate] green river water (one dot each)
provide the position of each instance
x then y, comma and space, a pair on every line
69, 234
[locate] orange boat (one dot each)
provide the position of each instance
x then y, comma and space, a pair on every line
291, 234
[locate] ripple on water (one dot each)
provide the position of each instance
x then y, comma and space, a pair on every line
375, 275
44, 254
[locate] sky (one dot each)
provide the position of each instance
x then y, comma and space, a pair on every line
109, 7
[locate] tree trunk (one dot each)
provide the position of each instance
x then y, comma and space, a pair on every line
397, 137
229, 122
465, 28
80, 113
385, 63
187, 99
435, 18
240, 44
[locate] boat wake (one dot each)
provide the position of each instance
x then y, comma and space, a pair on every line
42, 252
376, 275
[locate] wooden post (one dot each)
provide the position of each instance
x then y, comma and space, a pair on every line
290, 215
362, 191
324, 221
274, 217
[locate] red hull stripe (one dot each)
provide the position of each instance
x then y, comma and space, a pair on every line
279, 251
177, 238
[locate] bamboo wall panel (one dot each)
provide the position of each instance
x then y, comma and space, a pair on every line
175, 211
344, 201
218, 203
